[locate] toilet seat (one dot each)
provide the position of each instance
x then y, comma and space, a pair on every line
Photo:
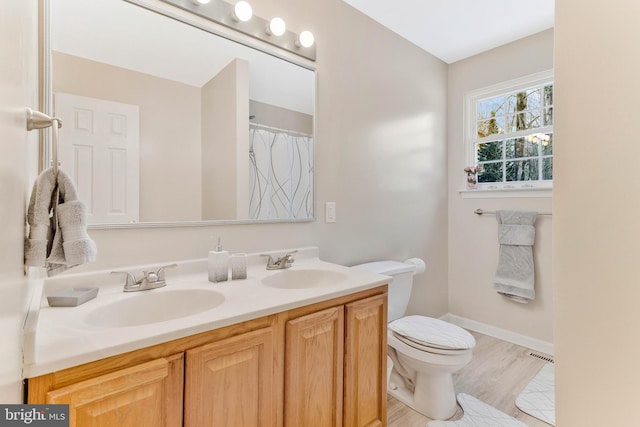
432, 335
425, 348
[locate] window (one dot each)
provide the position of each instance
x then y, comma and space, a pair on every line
510, 133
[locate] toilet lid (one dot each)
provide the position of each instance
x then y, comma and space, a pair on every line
431, 332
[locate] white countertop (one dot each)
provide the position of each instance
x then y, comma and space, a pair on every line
59, 337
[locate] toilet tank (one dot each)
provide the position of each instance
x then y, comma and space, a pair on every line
399, 288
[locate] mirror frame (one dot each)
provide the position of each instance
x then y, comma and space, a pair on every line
187, 18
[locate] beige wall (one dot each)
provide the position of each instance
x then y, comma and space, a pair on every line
596, 208
473, 243
380, 154
169, 131
225, 105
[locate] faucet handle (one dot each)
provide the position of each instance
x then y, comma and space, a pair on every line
130, 279
157, 276
288, 257
160, 272
286, 261
150, 276
269, 260
149, 280
279, 263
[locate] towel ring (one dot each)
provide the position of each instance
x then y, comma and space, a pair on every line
39, 120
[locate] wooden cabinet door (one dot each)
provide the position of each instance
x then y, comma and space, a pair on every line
365, 388
313, 369
147, 395
232, 382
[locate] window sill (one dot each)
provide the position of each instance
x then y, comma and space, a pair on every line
505, 193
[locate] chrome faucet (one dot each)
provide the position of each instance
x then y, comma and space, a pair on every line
149, 279
280, 263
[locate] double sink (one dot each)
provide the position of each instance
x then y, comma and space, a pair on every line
116, 322
160, 305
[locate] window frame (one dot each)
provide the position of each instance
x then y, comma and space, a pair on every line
471, 99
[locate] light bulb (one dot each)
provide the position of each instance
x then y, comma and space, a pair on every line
277, 27
306, 39
199, 2
242, 11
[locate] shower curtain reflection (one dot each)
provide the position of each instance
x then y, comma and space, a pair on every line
280, 173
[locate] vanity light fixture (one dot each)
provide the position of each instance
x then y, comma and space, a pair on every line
242, 11
305, 39
239, 16
276, 27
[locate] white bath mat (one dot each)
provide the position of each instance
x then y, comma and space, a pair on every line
478, 414
538, 397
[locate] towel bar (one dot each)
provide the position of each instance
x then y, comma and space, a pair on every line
480, 212
39, 120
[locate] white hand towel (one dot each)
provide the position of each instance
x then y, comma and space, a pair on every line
515, 272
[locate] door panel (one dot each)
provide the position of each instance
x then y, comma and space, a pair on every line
99, 146
232, 382
313, 369
149, 394
365, 364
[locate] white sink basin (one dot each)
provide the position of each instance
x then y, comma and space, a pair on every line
304, 278
153, 306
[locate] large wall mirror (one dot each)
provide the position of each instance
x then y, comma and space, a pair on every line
165, 123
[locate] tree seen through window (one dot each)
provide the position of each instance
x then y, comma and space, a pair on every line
514, 134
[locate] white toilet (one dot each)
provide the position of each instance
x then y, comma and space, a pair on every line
425, 351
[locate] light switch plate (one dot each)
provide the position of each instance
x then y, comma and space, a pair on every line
330, 212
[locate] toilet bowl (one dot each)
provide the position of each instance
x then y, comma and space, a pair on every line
425, 351
423, 374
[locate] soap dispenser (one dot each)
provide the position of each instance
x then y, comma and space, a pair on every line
218, 264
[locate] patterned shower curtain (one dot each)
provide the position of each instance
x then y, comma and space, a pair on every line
280, 174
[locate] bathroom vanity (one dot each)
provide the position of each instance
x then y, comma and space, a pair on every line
294, 347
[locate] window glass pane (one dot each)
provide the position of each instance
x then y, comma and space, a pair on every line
548, 116
523, 121
522, 147
490, 127
513, 149
488, 108
523, 170
547, 144
548, 95
547, 168
512, 103
489, 151
534, 99
491, 172
525, 100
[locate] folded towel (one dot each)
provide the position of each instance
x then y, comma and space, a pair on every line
58, 237
77, 247
515, 272
516, 235
39, 218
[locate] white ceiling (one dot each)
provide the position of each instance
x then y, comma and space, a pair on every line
456, 29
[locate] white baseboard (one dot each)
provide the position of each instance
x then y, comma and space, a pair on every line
503, 334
